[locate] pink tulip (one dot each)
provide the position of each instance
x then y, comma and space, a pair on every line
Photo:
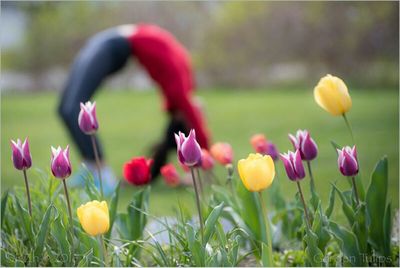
305, 144
188, 149
347, 161
87, 119
293, 165
60, 163
21, 156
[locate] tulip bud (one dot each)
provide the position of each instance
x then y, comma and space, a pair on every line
60, 163
87, 119
332, 95
305, 144
137, 170
257, 172
293, 165
259, 143
170, 175
347, 161
222, 152
262, 146
207, 162
189, 151
94, 217
21, 156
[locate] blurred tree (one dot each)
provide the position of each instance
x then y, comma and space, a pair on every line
247, 40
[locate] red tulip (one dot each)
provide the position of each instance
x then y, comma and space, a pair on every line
170, 175
137, 170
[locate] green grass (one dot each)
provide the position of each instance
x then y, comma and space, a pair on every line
130, 122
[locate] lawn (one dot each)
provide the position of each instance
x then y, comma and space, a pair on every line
130, 122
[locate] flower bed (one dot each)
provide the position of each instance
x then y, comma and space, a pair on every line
47, 224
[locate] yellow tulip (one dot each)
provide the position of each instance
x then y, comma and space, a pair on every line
256, 172
94, 217
332, 95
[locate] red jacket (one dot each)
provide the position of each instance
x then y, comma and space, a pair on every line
169, 65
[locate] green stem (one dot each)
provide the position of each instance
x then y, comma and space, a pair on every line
349, 127
105, 256
27, 192
198, 204
355, 190
312, 183
71, 222
304, 205
267, 228
98, 165
200, 184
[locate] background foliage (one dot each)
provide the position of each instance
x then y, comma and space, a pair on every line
233, 44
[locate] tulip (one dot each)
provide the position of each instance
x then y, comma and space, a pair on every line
21, 156
222, 152
61, 168
170, 175
293, 165
137, 170
87, 119
189, 154
188, 149
332, 95
347, 161
94, 217
207, 162
305, 144
60, 164
262, 146
22, 160
295, 172
256, 172
348, 165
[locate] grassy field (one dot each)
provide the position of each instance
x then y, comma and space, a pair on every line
131, 121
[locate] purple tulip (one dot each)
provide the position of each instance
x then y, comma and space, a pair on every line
60, 164
347, 161
305, 144
189, 151
21, 156
87, 119
293, 165
272, 151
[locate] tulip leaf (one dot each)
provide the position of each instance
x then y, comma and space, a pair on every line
42, 234
59, 232
195, 246
252, 214
387, 231
376, 200
319, 229
26, 219
347, 209
329, 209
4, 200
347, 242
86, 259
360, 228
266, 259
313, 253
113, 209
212, 219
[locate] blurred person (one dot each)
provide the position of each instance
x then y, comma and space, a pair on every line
167, 63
